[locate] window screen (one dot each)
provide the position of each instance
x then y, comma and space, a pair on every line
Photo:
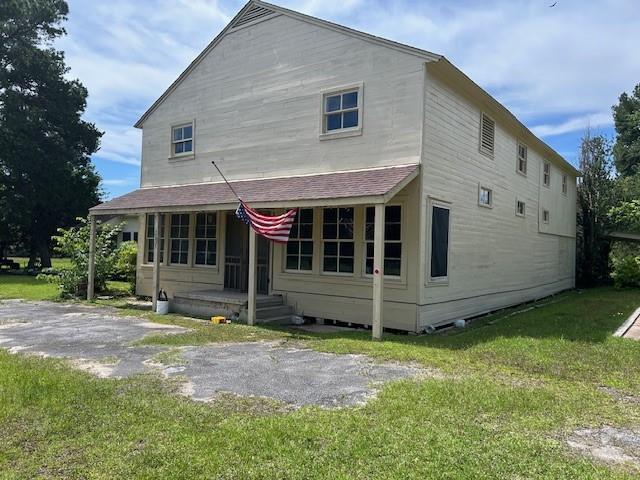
439, 242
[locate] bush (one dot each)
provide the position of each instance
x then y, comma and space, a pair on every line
625, 263
74, 243
126, 260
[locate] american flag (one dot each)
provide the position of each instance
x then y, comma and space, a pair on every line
274, 228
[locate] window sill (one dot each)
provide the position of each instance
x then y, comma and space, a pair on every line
179, 158
523, 174
483, 205
438, 282
341, 134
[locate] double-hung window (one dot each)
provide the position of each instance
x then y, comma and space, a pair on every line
564, 184
522, 159
151, 237
392, 240
546, 174
300, 244
341, 111
182, 139
337, 236
179, 238
206, 239
520, 208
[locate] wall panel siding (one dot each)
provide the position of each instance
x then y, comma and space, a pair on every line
256, 100
496, 258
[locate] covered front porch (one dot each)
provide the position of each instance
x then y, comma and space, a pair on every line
194, 243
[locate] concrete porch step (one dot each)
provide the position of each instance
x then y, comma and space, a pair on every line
273, 311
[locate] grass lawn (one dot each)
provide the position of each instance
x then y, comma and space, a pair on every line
503, 395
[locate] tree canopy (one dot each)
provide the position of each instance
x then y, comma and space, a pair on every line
626, 117
46, 175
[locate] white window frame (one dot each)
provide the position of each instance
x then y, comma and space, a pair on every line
482, 187
300, 240
546, 175
343, 132
172, 153
163, 238
206, 239
435, 281
522, 159
401, 242
524, 208
181, 239
338, 241
565, 188
546, 215
484, 151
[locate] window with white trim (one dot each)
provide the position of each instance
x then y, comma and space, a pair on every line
485, 196
206, 240
487, 135
545, 216
564, 184
520, 208
300, 245
439, 265
522, 159
337, 240
546, 174
182, 139
179, 238
341, 111
151, 237
392, 240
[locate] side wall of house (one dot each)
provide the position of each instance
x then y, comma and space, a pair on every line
256, 103
496, 258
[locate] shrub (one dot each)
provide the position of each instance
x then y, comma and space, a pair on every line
625, 263
74, 243
126, 259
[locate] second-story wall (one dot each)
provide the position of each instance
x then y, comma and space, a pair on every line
256, 101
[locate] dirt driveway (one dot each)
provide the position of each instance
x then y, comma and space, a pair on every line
98, 340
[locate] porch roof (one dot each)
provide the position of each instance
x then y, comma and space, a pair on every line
350, 187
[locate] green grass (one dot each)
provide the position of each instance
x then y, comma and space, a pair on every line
55, 262
508, 390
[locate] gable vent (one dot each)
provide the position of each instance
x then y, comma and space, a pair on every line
254, 12
487, 135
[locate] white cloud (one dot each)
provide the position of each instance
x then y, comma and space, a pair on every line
120, 182
574, 124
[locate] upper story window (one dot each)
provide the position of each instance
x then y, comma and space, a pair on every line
522, 159
300, 244
520, 208
546, 174
564, 184
182, 139
342, 111
485, 196
487, 135
545, 216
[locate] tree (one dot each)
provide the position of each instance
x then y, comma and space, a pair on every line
46, 175
626, 116
596, 196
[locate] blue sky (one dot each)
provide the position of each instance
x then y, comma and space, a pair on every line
557, 69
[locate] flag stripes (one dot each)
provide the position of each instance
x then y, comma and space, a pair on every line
276, 228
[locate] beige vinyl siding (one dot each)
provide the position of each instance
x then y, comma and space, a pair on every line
496, 257
257, 96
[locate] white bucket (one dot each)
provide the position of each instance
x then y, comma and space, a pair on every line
162, 307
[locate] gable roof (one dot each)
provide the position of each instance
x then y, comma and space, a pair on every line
256, 11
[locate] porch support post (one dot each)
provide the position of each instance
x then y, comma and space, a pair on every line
253, 277
91, 274
378, 271
156, 259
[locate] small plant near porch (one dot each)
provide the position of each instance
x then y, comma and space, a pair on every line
73, 243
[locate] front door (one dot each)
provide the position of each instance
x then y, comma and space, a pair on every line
236, 261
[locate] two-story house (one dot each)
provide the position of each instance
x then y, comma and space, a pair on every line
421, 199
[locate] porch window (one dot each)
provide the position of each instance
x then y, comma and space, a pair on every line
300, 244
182, 139
150, 237
337, 235
180, 238
439, 243
206, 239
392, 240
